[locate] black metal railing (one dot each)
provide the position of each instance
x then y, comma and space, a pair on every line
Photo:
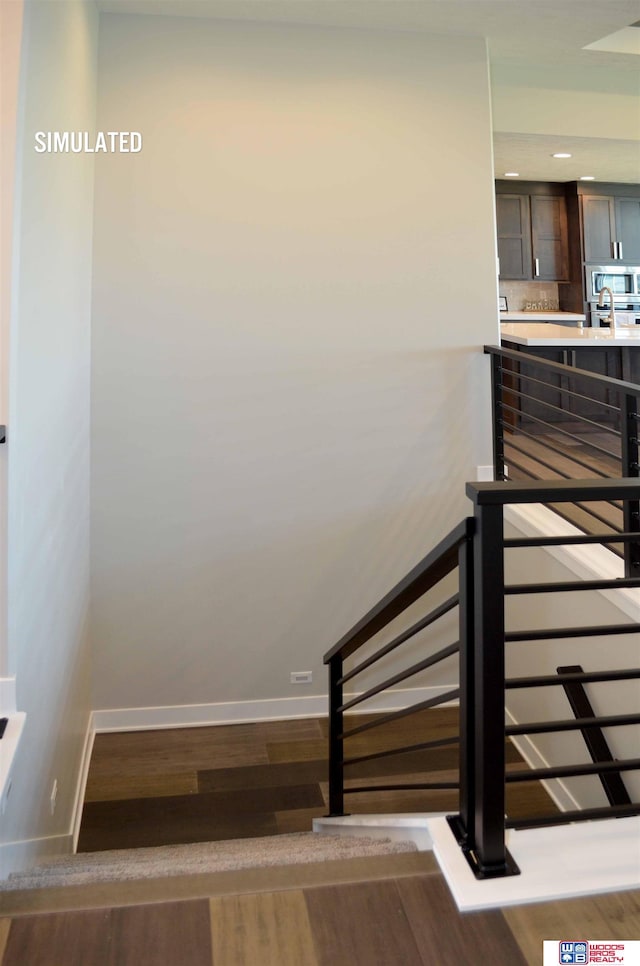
448, 556
555, 421
475, 550
480, 824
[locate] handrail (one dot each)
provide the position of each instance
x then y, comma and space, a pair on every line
504, 492
476, 549
559, 367
425, 575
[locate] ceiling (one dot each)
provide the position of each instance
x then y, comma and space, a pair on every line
548, 34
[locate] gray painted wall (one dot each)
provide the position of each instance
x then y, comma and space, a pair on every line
292, 283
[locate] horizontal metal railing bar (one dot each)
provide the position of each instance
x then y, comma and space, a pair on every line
575, 815
422, 786
572, 771
440, 655
420, 625
403, 712
522, 377
541, 681
622, 537
551, 634
572, 724
540, 441
552, 491
406, 749
425, 575
556, 428
549, 466
583, 420
571, 585
609, 381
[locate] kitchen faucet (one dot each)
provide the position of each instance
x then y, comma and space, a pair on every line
610, 319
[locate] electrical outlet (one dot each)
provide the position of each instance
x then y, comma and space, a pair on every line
301, 677
54, 796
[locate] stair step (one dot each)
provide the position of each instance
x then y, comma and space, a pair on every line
111, 893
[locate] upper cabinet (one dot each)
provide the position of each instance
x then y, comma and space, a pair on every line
532, 232
611, 227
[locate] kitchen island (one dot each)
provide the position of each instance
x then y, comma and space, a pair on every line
606, 352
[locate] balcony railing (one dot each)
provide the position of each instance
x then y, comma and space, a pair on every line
474, 553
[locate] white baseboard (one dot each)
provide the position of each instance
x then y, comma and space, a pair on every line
246, 712
21, 856
83, 774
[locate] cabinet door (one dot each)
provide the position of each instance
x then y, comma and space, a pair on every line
598, 216
514, 236
549, 238
628, 229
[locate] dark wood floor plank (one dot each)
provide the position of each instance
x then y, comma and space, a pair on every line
613, 916
263, 776
60, 939
173, 820
171, 932
299, 819
286, 729
268, 929
139, 786
176, 750
364, 924
449, 938
299, 750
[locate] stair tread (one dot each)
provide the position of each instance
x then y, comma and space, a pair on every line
176, 887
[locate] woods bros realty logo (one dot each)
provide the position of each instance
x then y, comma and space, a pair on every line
584, 951
82, 142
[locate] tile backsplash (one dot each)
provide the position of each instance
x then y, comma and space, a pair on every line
530, 296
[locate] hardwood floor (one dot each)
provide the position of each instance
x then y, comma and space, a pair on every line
408, 921
238, 781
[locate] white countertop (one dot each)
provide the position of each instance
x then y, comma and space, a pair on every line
542, 317
547, 334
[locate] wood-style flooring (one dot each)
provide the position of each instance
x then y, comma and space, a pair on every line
406, 921
170, 787
241, 779
580, 455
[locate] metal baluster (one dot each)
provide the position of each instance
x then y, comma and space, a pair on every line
336, 742
631, 508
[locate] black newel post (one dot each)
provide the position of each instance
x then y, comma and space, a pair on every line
336, 752
497, 411
462, 824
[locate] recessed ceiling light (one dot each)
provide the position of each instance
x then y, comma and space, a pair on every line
511, 174
587, 177
561, 154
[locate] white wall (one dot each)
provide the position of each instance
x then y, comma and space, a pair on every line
292, 283
48, 443
10, 43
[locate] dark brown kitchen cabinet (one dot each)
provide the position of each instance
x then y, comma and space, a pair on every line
514, 236
549, 242
532, 235
611, 229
